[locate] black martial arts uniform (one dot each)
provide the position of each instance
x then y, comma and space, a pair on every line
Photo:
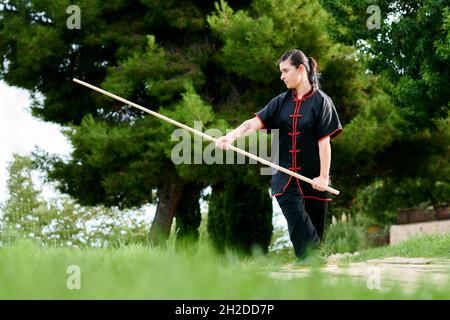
302, 123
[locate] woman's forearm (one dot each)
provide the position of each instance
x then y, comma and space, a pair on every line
246, 128
325, 157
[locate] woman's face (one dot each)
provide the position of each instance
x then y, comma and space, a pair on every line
291, 75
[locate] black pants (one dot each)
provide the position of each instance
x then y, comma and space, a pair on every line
305, 218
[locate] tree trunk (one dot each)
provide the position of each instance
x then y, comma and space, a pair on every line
169, 196
188, 216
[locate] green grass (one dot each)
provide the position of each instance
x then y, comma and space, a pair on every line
28, 271
425, 246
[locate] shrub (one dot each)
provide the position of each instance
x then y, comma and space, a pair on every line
345, 236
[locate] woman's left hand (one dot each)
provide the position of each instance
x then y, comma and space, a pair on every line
320, 183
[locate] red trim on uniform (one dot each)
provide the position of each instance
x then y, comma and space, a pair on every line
284, 189
305, 96
311, 197
294, 133
332, 135
301, 191
257, 115
293, 151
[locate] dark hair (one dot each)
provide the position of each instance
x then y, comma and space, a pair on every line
297, 57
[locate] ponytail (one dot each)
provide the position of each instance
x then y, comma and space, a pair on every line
313, 76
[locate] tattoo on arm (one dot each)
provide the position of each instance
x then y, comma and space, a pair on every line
242, 130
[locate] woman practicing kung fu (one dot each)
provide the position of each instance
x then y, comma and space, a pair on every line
307, 120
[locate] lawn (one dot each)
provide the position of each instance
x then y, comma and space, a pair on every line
425, 246
28, 271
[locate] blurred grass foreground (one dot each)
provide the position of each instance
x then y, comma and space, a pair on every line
28, 271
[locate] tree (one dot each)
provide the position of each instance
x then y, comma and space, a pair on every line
411, 52
267, 30
157, 53
231, 223
24, 199
192, 61
59, 220
410, 48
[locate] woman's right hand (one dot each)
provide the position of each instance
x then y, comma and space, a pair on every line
224, 142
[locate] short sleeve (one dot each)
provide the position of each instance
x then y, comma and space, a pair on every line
267, 114
329, 123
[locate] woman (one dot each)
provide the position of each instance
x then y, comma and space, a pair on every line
307, 120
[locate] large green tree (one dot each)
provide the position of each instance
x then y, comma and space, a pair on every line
407, 43
190, 60
157, 53
410, 47
269, 28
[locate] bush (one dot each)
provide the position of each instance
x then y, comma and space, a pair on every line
240, 217
345, 236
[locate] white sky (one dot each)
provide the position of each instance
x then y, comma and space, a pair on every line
20, 132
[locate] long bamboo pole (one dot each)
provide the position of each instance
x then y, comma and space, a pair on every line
203, 135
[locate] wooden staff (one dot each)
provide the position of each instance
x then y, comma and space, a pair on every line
203, 135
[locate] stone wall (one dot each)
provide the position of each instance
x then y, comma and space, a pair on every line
420, 221
398, 233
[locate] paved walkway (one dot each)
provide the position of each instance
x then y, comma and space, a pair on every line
384, 273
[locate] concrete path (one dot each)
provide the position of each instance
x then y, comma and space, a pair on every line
383, 274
